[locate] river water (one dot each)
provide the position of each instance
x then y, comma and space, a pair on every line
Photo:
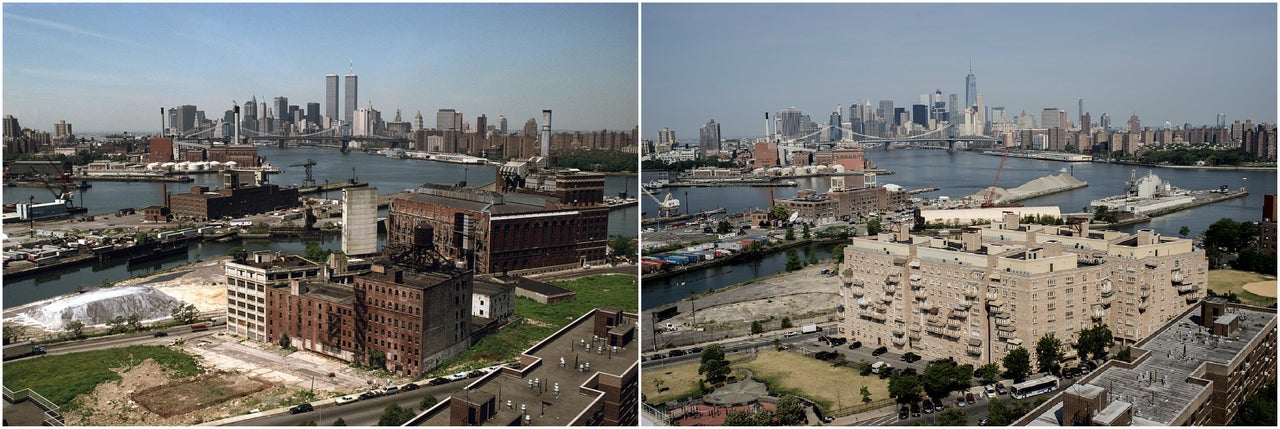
965, 173
389, 175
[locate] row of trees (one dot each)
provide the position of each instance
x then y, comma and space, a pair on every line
1226, 238
596, 160
790, 412
1183, 156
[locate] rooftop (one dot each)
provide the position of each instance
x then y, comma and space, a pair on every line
277, 261
1158, 386
535, 388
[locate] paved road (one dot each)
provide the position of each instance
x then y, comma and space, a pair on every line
141, 338
359, 413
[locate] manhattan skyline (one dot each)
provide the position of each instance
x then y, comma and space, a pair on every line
109, 67
733, 62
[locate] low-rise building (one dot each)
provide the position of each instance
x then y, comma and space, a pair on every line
1005, 286
204, 204
586, 374
1197, 369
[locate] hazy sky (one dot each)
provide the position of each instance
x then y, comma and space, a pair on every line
1174, 62
110, 67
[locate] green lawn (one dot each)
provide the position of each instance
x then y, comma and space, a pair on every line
595, 291
61, 378
1223, 281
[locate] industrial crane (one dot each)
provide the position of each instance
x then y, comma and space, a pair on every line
309, 182
990, 202
666, 206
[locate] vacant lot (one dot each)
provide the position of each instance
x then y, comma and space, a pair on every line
830, 386
184, 396
61, 378
678, 381
1244, 284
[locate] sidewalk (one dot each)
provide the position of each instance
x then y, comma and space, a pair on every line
865, 415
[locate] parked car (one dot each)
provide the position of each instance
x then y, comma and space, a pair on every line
915, 409
345, 399
162, 334
990, 389
904, 412
677, 352
476, 373
657, 356
927, 406
438, 381
1000, 388
909, 357
693, 350
371, 394
879, 351
408, 387
390, 390
960, 403
790, 334
458, 376
938, 405
982, 422
855, 344
301, 408
968, 397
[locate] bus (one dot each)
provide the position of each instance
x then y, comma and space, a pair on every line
1035, 387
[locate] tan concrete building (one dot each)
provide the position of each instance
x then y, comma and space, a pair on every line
247, 282
1004, 286
1197, 369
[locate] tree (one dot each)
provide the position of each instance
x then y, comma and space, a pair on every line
804, 232
1124, 355
790, 411
791, 234
1017, 364
1048, 354
285, 342
623, 247
998, 413
658, 382
307, 423
940, 379
724, 227
1184, 231
1259, 409
779, 213
238, 254
764, 417
873, 226
339, 422
134, 322
756, 327
1094, 342
316, 253
864, 367
988, 372
793, 260
738, 418
904, 387
714, 366
395, 415
786, 322
377, 359
953, 417
1105, 214
427, 402
117, 325
74, 329
185, 313
14, 332
866, 393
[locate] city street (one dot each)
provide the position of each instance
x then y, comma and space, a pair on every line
360, 413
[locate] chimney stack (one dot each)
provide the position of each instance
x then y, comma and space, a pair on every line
546, 137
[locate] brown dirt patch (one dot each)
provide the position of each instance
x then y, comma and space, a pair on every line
1263, 288
184, 396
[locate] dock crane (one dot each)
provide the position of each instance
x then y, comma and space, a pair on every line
991, 196
308, 182
666, 206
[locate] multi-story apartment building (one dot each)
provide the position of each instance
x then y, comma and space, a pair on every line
247, 285
1007, 285
414, 320
1197, 369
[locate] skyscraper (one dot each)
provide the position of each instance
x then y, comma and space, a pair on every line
417, 121
481, 122
282, 109
444, 119
970, 89
835, 134
789, 124
709, 138
1049, 118
331, 96
313, 114
502, 124
920, 115
1105, 122
186, 119
1134, 124
351, 100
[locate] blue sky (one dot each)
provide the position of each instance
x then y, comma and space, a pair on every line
1174, 62
110, 67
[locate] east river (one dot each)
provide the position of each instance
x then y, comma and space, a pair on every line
958, 175
389, 175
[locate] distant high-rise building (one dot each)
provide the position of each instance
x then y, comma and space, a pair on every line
920, 114
1134, 124
186, 119
885, 112
331, 96
897, 115
1049, 118
1080, 113
313, 114
417, 121
939, 107
789, 124
281, 105
481, 123
1086, 122
530, 128
954, 109
11, 127
1222, 120
444, 119
970, 89
457, 121
366, 122
61, 129
709, 138
502, 124
249, 114
834, 133
666, 138
1105, 122
351, 99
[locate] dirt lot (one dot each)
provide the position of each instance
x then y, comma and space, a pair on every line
184, 396
814, 379
785, 295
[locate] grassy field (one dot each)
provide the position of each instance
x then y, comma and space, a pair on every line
678, 381
61, 378
1223, 281
544, 320
831, 387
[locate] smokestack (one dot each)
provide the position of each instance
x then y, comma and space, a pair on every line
546, 136
161, 122
236, 108
766, 126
